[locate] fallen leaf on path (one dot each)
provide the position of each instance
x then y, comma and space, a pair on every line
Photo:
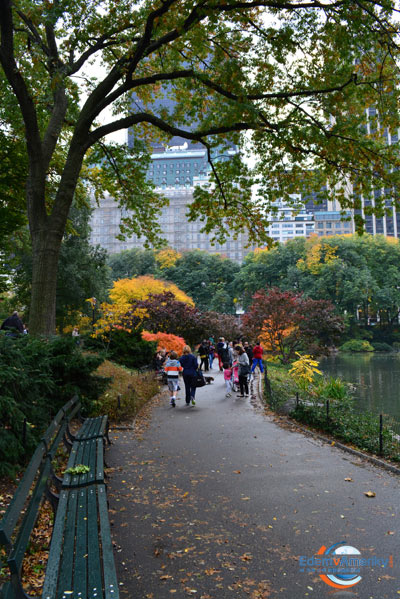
349, 480
369, 494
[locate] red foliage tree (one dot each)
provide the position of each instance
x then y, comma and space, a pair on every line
287, 322
166, 314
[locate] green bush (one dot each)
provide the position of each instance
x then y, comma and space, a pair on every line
37, 377
381, 346
125, 348
357, 345
331, 388
346, 424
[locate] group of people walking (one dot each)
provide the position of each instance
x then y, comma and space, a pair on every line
237, 361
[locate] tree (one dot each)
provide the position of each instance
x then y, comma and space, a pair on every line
83, 271
165, 313
132, 263
207, 278
126, 291
286, 322
233, 67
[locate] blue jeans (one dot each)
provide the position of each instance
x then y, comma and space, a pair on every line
190, 389
211, 359
260, 364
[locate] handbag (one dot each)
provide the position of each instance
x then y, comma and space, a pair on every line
199, 379
244, 369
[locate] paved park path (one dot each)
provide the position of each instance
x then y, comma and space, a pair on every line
218, 501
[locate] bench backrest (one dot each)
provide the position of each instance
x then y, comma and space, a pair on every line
40, 463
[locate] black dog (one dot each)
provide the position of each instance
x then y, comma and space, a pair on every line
209, 380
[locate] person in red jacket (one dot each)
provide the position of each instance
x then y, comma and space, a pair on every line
257, 358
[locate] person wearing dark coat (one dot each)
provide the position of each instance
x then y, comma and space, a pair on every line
190, 365
12, 324
248, 350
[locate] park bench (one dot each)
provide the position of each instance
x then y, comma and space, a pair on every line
81, 562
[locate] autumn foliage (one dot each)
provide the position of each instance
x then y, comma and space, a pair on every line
286, 322
166, 341
126, 291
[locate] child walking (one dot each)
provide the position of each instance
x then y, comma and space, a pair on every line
227, 378
172, 369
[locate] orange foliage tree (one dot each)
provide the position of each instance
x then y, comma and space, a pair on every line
166, 341
287, 322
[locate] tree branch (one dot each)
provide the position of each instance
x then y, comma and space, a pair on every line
136, 119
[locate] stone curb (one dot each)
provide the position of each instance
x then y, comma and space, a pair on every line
355, 452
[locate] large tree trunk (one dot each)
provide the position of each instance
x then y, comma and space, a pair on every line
45, 248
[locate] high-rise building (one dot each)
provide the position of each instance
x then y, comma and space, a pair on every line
175, 172
288, 222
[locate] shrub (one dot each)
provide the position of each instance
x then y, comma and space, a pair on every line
128, 391
357, 345
37, 377
381, 346
332, 388
166, 341
124, 347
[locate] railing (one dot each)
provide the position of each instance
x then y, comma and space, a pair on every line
345, 420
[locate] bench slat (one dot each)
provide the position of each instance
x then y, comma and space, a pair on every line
81, 550
110, 579
50, 581
100, 460
94, 579
91, 454
92, 427
68, 547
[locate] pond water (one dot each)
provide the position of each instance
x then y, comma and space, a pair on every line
375, 375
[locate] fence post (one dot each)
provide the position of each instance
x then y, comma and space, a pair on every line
297, 399
380, 434
327, 410
119, 401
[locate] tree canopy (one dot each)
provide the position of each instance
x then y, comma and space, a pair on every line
359, 275
296, 77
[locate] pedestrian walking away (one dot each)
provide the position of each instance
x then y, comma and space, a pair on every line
244, 371
257, 358
172, 369
189, 363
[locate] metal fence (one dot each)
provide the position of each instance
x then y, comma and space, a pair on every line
376, 433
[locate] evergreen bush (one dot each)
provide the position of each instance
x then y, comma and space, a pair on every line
37, 377
381, 346
357, 345
124, 347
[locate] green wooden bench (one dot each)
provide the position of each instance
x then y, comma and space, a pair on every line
81, 561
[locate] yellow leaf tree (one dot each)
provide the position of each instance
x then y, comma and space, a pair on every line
125, 291
167, 258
